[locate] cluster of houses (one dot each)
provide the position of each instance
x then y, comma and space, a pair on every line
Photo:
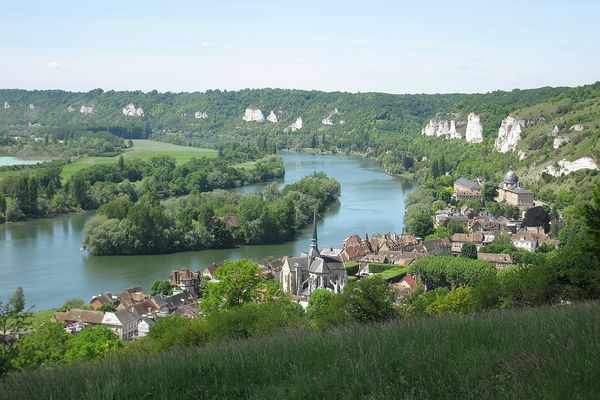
134, 311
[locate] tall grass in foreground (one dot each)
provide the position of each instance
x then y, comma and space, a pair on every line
543, 353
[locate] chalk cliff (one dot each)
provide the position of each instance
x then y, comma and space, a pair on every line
559, 141
6, 105
200, 115
253, 115
566, 167
130, 110
328, 120
272, 117
474, 132
87, 110
296, 125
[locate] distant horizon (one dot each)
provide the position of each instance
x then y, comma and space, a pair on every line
463, 46
294, 89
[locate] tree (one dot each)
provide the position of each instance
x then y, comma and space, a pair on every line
537, 216
17, 301
591, 214
238, 283
420, 224
2, 204
161, 287
92, 343
314, 142
469, 250
455, 227
318, 302
490, 191
435, 169
130, 143
368, 300
45, 346
107, 307
121, 162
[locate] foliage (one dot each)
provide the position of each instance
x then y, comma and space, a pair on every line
352, 267
46, 346
376, 268
446, 271
161, 287
92, 343
537, 216
469, 250
318, 303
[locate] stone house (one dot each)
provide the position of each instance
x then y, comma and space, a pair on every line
525, 240
458, 239
184, 279
500, 261
144, 325
123, 323
465, 189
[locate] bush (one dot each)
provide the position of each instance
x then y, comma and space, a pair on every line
446, 271
376, 268
351, 267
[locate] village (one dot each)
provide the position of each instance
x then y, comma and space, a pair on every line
131, 313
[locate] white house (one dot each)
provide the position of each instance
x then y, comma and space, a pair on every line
123, 323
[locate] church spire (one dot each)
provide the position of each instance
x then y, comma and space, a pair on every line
314, 247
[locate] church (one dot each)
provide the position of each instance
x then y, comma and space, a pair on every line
301, 276
510, 192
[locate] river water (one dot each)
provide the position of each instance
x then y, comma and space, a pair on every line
44, 256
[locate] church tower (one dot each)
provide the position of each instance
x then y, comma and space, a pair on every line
314, 247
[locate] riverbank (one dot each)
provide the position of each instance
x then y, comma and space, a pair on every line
45, 258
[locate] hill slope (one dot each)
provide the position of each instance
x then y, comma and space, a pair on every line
550, 352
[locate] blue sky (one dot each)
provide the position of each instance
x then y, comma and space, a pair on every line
384, 46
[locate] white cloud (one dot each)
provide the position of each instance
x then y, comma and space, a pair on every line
206, 44
53, 64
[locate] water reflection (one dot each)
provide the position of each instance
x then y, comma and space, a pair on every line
45, 258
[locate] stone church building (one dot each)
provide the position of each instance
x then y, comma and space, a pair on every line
302, 275
510, 192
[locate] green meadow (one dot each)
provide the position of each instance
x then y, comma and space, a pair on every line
537, 353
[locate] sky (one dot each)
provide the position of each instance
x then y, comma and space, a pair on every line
352, 46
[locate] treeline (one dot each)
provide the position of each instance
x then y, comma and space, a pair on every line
40, 192
217, 219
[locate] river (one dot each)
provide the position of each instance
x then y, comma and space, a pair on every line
44, 256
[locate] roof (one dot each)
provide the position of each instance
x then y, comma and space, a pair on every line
518, 190
211, 269
511, 177
126, 316
410, 281
325, 264
298, 262
467, 183
436, 244
86, 316
495, 258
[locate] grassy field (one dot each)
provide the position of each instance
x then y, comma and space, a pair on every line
543, 353
142, 149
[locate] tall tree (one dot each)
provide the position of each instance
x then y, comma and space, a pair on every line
469, 250
17, 301
435, 169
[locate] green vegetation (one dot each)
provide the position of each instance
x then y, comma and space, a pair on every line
542, 353
199, 220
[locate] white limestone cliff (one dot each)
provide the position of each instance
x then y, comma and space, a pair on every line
444, 127
328, 120
70, 109
559, 141
296, 125
566, 167
200, 115
555, 130
474, 132
130, 110
6, 105
87, 110
253, 115
272, 117
509, 134
32, 107
576, 127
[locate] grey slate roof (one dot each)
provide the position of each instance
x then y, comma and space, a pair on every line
467, 183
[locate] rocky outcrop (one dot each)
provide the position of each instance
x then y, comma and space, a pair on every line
474, 132
559, 141
6, 105
32, 107
442, 127
130, 110
555, 130
253, 115
272, 117
522, 155
87, 110
200, 115
565, 167
328, 120
296, 125
509, 132
70, 109
576, 127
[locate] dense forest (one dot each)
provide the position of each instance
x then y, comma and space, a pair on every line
199, 221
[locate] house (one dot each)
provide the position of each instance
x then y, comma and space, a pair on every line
436, 247
184, 279
483, 224
500, 261
465, 189
144, 325
525, 240
130, 296
180, 299
408, 282
368, 259
355, 253
102, 299
145, 308
510, 192
458, 239
123, 323
400, 258
302, 275
84, 317
209, 271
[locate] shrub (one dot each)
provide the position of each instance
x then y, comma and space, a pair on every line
351, 267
